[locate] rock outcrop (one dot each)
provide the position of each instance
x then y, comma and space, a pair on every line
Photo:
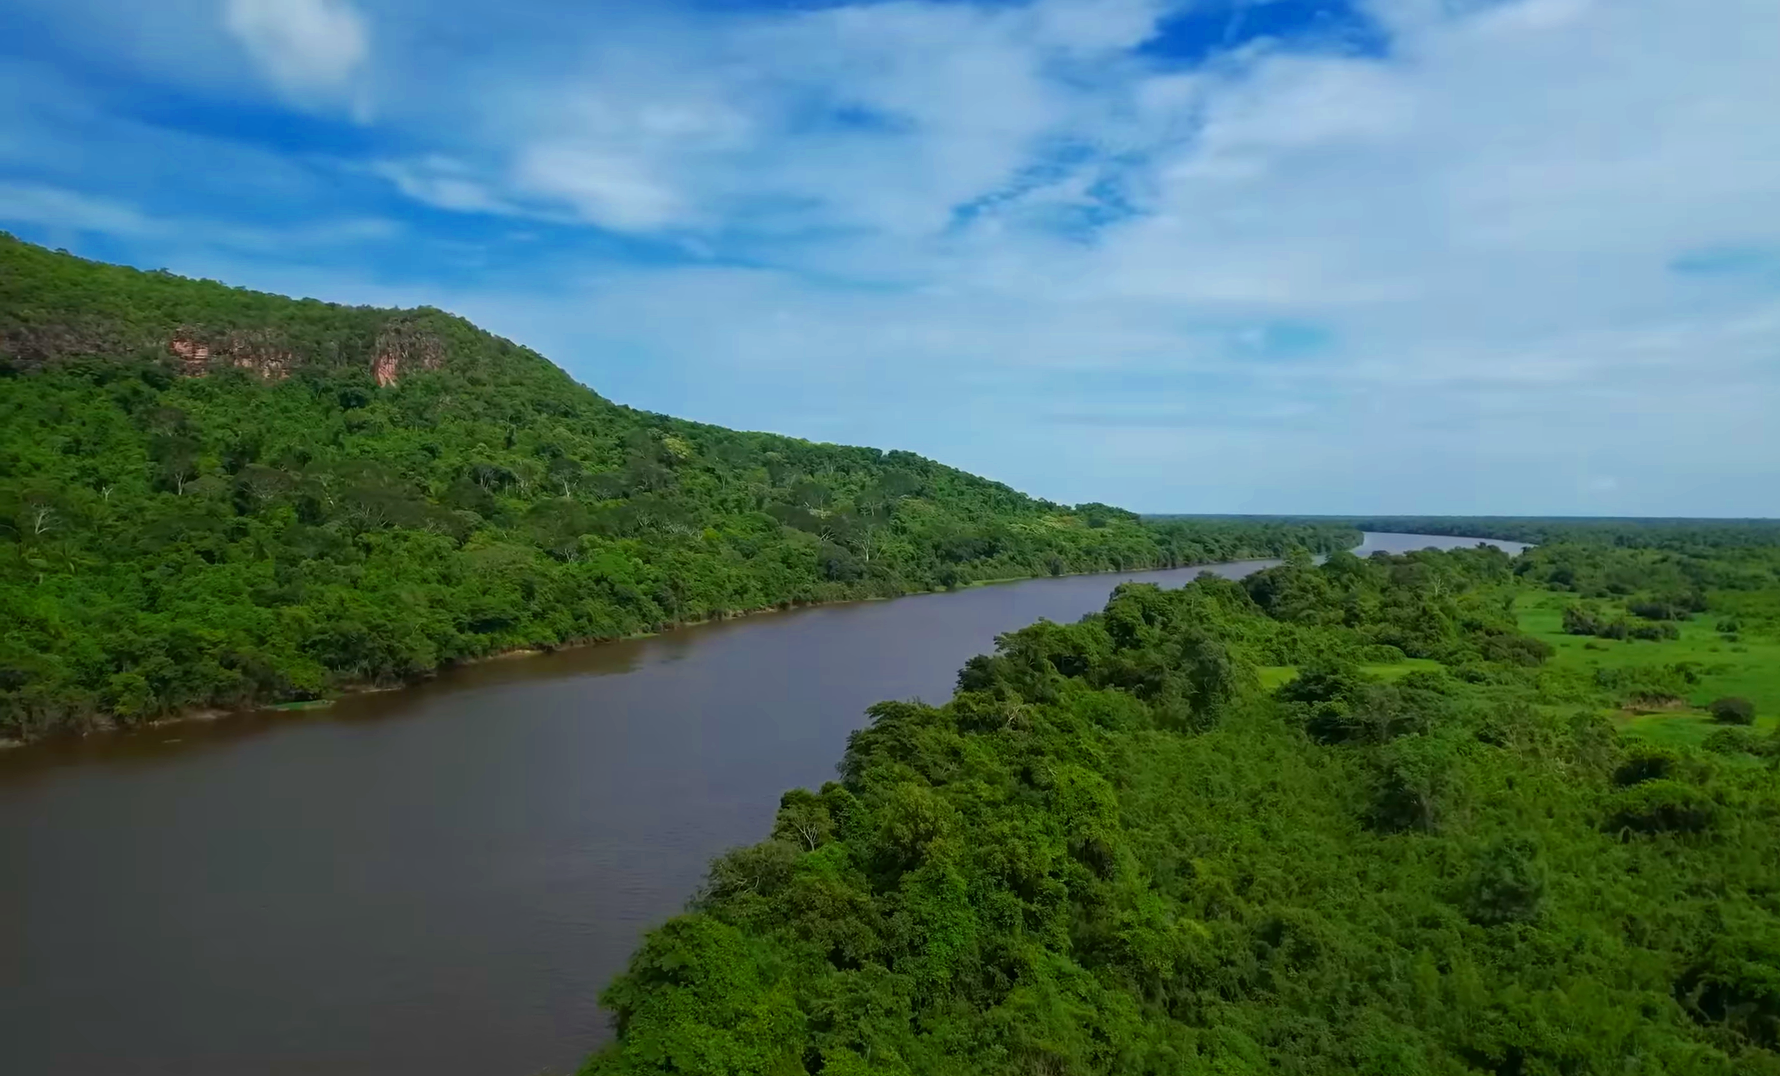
403, 346
255, 350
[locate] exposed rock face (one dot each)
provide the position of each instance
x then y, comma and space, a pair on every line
248, 350
403, 346
193, 356
385, 368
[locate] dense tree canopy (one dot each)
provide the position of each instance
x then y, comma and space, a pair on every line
214, 497
1348, 818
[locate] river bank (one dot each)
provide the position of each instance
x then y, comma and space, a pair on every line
111, 724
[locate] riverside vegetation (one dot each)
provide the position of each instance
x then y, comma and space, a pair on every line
211, 497
1401, 815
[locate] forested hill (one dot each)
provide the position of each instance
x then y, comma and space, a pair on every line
216, 497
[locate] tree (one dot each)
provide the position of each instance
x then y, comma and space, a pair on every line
1507, 885
565, 473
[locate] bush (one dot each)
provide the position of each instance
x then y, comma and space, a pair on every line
1324, 682
1579, 622
1663, 806
1516, 650
1732, 710
1665, 608
1647, 684
1731, 741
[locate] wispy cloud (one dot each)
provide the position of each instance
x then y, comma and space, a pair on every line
307, 48
69, 212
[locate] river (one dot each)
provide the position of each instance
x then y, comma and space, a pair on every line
439, 879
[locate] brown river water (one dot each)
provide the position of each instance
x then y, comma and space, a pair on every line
439, 879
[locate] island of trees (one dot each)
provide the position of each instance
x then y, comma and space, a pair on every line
211, 497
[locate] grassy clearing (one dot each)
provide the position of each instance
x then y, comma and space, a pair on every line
1749, 667
1274, 676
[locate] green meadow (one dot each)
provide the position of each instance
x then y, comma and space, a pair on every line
1274, 676
1746, 665
1707, 663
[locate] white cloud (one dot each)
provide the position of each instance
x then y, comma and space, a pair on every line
309, 49
444, 182
606, 188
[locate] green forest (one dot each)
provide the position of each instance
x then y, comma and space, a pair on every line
1443, 813
211, 497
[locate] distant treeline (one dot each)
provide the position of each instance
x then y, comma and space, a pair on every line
1643, 533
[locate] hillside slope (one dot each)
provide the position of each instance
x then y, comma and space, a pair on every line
215, 497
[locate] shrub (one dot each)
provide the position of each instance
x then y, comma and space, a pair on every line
1663, 806
1516, 650
1323, 682
1731, 741
1648, 684
1664, 609
1579, 622
1732, 710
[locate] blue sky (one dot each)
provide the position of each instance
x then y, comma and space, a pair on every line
1208, 256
